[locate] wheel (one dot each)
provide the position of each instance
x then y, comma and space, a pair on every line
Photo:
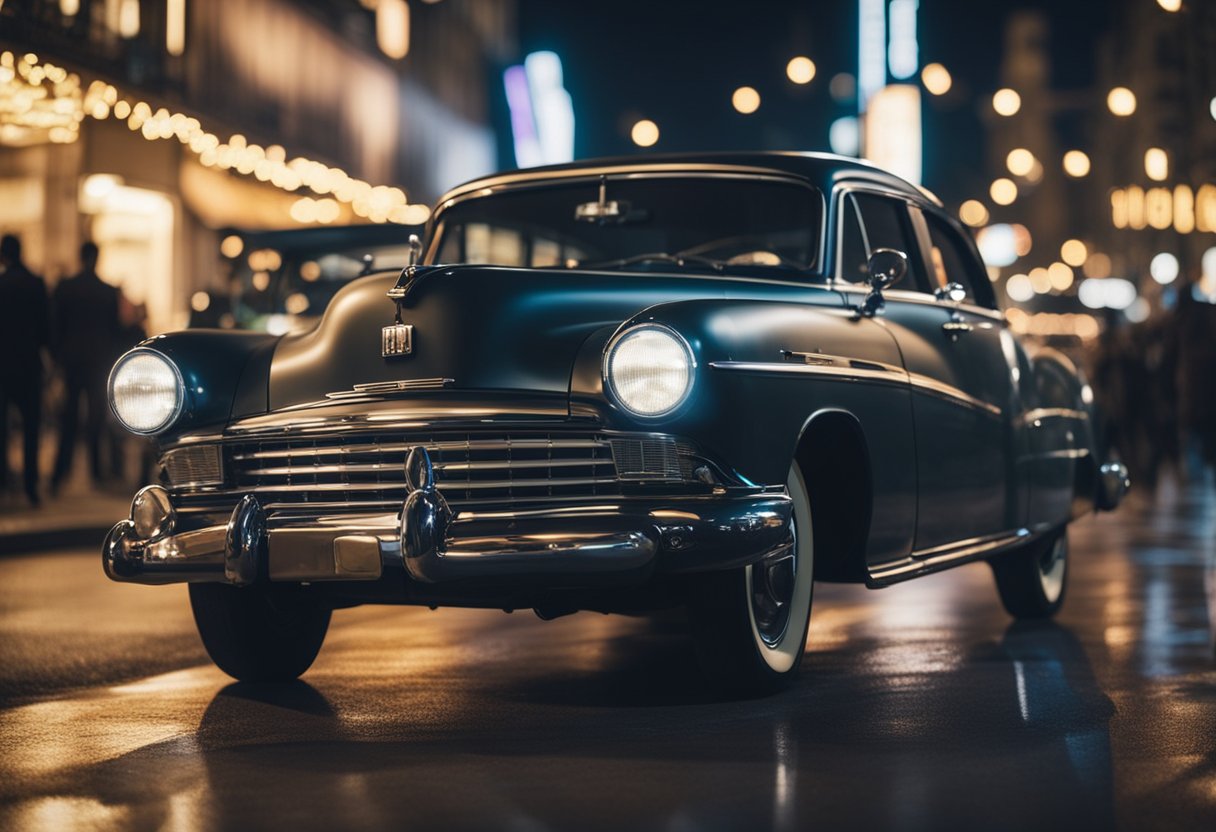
260, 634
749, 625
1032, 581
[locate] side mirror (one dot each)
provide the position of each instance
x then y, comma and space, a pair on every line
885, 268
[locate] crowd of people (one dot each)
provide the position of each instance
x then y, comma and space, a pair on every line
1155, 383
83, 326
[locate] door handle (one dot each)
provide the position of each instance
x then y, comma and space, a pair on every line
956, 328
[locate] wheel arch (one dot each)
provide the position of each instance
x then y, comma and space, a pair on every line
833, 457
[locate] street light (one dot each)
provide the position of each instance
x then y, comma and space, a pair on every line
1121, 101
1170, 5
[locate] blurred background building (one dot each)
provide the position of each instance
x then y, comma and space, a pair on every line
150, 126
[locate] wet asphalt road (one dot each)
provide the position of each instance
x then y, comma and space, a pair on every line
920, 707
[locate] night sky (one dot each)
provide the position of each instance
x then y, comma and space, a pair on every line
678, 62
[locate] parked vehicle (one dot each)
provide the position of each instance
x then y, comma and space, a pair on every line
619, 385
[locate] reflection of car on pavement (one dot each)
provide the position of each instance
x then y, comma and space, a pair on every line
619, 386
281, 281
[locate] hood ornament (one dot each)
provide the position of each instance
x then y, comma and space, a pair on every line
397, 339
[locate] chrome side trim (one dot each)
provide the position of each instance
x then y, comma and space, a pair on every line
1053, 413
946, 391
1068, 453
856, 369
936, 558
381, 388
921, 299
869, 370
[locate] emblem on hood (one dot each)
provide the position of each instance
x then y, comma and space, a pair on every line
397, 339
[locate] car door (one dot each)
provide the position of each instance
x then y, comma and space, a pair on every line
956, 364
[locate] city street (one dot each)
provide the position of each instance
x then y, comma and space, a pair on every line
920, 707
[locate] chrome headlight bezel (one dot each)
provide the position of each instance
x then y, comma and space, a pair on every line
610, 352
179, 386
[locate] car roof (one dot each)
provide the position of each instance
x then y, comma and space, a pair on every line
820, 169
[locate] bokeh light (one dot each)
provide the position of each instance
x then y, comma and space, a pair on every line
1121, 101
1006, 102
1156, 164
746, 100
1076, 163
1164, 268
1020, 161
644, 133
1003, 191
800, 70
936, 79
973, 213
1073, 252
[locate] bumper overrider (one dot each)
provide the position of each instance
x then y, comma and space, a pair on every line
435, 544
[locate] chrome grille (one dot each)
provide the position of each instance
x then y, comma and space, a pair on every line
193, 465
357, 471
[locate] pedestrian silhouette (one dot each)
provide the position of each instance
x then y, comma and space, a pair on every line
24, 330
85, 339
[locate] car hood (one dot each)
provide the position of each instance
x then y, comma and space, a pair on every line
485, 328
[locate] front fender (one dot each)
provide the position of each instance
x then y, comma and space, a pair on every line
225, 374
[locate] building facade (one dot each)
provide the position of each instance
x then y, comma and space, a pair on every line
150, 126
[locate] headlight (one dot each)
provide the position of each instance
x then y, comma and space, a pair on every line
649, 370
146, 391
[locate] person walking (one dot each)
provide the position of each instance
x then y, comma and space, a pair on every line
85, 337
24, 332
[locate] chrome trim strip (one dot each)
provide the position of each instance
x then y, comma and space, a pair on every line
381, 388
940, 388
406, 447
877, 371
453, 485
856, 369
1069, 453
373, 467
939, 557
1053, 413
921, 299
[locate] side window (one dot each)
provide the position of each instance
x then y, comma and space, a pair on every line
953, 262
854, 251
870, 222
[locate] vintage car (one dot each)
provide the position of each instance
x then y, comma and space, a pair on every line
703, 381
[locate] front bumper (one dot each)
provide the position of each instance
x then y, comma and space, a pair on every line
577, 544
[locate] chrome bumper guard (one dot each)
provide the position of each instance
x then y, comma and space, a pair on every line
434, 545
1113, 484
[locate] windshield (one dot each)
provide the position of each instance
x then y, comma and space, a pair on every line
697, 223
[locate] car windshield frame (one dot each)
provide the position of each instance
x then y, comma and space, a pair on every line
813, 272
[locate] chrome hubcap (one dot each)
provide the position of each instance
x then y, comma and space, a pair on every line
772, 590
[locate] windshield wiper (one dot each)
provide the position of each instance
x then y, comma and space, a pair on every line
680, 260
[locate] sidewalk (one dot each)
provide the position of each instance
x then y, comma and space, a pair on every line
80, 515
74, 518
